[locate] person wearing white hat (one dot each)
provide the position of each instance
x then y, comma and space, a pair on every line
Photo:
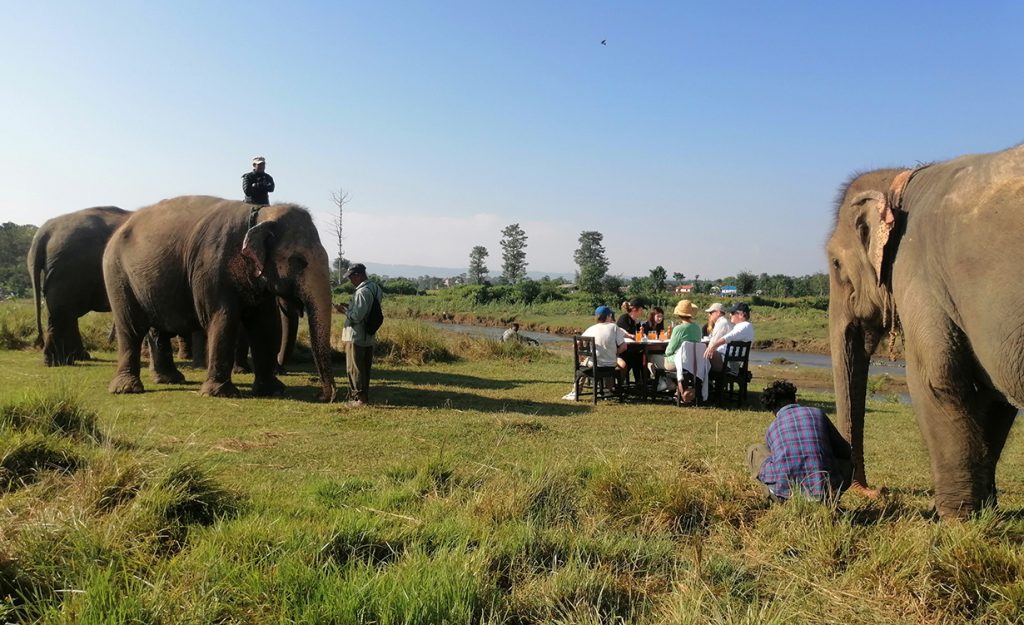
718, 322
257, 185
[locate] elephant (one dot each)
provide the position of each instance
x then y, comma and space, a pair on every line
200, 262
65, 262
927, 254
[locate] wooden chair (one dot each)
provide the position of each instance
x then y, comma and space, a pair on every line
732, 380
690, 381
585, 368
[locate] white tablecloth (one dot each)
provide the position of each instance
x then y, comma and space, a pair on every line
690, 357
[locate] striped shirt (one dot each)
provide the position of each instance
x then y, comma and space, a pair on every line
803, 444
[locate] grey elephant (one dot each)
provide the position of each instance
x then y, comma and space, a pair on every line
930, 254
65, 262
199, 262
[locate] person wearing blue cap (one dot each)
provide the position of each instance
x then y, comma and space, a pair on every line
609, 339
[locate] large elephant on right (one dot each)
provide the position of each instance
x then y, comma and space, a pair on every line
931, 254
65, 262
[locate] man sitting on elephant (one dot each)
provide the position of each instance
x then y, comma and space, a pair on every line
802, 450
257, 185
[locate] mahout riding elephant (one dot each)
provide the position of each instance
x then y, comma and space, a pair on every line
930, 253
200, 262
65, 262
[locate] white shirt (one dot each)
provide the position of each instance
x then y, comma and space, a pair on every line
722, 326
607, 338
742, 331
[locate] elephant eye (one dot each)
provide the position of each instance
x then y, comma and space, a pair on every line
835, 263
297, 262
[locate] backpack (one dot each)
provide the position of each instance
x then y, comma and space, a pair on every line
376, 317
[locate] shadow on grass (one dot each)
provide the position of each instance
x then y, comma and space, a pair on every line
450, 379
454, 400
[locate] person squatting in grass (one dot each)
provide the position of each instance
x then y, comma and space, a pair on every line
802, 450
358, 340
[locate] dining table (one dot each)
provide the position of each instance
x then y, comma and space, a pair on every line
641, 351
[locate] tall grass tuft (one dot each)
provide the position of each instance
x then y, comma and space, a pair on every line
24, 455
410, 342
58, 411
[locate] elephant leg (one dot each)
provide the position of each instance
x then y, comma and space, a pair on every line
185, 346
161, 360
78, 351
946, 406
61, 342
998, 418
221, 338
242, 353
130, 325
265, 322
199, 358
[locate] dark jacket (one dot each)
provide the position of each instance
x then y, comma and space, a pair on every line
257, 186
627, 323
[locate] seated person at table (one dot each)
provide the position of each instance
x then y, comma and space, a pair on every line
802, 450
718, 322
741, 330
684, 330
655, 321
609, 339
630, 320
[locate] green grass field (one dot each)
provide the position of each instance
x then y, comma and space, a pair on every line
468, 493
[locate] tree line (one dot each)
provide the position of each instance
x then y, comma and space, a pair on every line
592, 275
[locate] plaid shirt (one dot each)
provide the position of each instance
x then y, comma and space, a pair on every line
803, 444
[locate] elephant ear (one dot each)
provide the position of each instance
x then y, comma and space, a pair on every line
256, 244
882, 210
875, 222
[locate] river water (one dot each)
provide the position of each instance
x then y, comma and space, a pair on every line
757, 356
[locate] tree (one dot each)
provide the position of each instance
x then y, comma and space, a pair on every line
592, 262
477, 269
513, 253
745, 282
658, 277
14, 243
679, 277
340, 199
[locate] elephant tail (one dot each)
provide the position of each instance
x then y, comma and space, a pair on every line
36, 266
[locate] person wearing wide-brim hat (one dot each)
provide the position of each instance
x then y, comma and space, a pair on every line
684, 330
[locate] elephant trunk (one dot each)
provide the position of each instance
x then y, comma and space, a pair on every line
850, 377
318, 308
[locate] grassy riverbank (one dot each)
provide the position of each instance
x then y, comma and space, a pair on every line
789, 325
469, 493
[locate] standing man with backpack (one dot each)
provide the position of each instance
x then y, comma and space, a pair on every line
363, 317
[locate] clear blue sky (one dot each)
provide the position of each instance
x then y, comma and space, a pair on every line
706, 137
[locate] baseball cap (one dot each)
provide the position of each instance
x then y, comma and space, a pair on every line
715, 307
741, 307
359, 268
256, 160
603, 311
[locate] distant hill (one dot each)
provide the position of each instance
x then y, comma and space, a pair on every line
415, 271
